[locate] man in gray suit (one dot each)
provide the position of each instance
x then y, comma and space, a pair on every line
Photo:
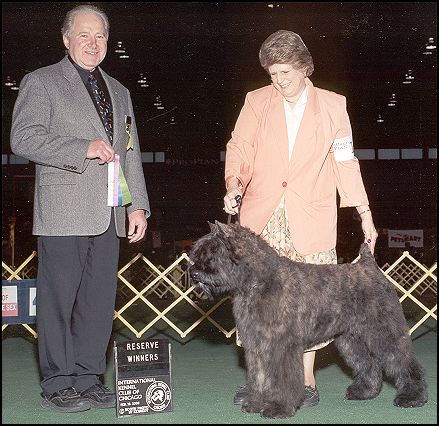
77, 124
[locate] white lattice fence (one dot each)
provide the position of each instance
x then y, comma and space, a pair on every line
172, 282
158, 293
410, 276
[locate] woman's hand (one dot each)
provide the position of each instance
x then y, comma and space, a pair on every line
369, 231
231, 200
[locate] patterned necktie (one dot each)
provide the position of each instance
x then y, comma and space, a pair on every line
104, 107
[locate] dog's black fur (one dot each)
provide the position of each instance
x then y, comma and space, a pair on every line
282, 307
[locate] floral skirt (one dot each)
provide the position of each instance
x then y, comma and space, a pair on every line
277, 234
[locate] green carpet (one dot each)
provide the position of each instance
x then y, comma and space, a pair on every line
206, 369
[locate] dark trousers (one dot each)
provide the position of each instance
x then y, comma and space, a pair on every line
76, 291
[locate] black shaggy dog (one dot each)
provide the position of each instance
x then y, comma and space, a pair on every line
282, 307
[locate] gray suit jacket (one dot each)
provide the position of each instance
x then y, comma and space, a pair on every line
53, 122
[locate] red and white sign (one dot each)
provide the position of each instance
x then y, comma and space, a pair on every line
9, 301
406, 238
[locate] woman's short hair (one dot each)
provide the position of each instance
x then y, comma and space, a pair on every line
78, 10
286, 47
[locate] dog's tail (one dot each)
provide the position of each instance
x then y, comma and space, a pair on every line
365, 253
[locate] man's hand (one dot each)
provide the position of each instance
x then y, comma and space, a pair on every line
137, 225
100, 148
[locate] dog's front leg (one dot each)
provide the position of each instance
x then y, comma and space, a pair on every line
284, 387
255, 382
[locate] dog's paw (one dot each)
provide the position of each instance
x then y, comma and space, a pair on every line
251, 406
276, 411
408, 402
356, 392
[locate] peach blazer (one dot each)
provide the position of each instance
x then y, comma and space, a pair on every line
322, 162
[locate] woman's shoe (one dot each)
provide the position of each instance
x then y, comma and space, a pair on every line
311, 397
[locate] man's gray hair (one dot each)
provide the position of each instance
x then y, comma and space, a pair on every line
78, 10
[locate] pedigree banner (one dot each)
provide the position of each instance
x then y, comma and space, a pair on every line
143, 377
405, 238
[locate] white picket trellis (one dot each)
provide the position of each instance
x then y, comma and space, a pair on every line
141, 283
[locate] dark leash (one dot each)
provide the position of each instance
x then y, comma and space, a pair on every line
238, 200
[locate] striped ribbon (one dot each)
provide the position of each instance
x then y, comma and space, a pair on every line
118, 192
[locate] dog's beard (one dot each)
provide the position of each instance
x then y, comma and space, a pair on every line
205, 283
206, 290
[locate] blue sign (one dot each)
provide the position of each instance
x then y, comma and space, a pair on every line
19, 301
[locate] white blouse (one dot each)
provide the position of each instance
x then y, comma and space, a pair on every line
293, 117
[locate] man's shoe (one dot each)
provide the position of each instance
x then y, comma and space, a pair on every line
240, 394
99, 396
311, 397
66, 401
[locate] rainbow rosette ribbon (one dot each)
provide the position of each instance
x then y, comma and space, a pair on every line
118, 192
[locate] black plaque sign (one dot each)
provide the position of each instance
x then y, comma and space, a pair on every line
143, 377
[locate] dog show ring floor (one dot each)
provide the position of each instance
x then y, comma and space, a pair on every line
206, 369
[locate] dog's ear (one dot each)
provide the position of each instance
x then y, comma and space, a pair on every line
212, 226
225, 229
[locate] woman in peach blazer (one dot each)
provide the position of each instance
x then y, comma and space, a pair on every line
290, 152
